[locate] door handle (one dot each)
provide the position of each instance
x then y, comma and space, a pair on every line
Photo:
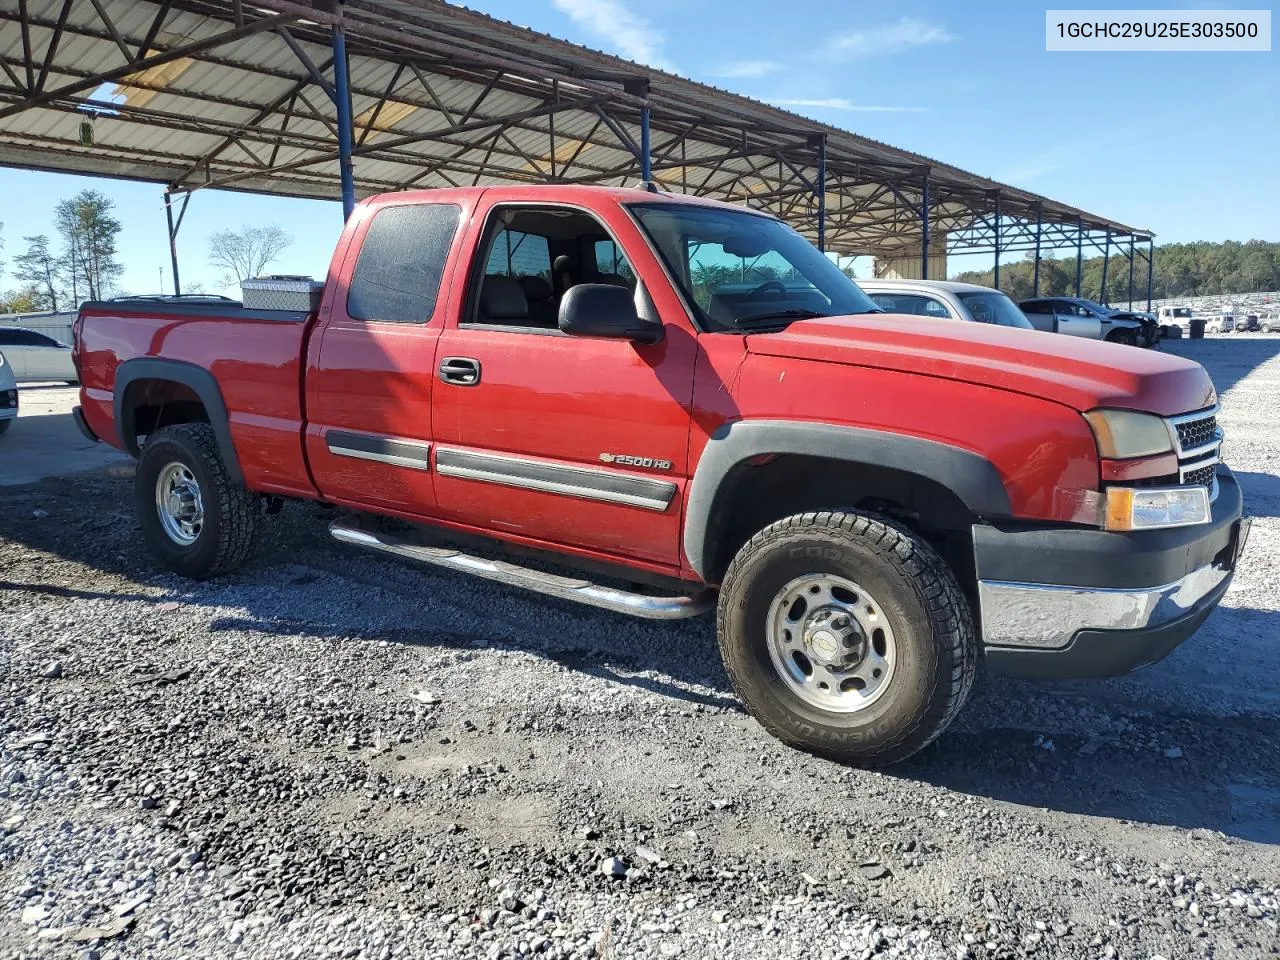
460, 371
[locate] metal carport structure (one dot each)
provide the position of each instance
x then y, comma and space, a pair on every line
316, 98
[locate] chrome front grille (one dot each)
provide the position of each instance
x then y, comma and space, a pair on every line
1198, 476
1197, 439
1195, 431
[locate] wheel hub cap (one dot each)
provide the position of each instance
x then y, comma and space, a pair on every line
178, 504
831, 643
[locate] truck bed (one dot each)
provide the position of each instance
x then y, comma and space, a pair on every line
255, 357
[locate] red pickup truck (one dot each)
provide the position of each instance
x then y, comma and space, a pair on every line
683, 405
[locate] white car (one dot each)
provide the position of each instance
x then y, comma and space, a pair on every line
8, 395
35, 356
946, 299
1219, 323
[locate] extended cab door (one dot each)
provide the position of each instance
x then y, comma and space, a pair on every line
371, 368
574, 441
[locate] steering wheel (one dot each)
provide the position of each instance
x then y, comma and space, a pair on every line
770, 285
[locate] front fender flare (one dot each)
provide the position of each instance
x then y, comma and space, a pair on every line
971, 477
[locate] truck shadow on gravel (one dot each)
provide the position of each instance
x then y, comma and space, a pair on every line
1228, 360
1051, 746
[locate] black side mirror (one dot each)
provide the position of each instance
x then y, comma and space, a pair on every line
603, 310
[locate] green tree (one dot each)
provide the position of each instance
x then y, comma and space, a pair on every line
38, 267
1181, 270
20, 301
89, 233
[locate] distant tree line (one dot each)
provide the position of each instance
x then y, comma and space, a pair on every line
79, 264
1181, 270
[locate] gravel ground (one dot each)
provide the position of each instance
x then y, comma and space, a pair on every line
330, 754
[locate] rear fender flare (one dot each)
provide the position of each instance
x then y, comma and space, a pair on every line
198, 380
972, 478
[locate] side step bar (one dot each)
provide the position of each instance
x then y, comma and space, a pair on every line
566, 588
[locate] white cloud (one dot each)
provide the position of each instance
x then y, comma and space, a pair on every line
618, 28
842, 103
746, 69
887, 38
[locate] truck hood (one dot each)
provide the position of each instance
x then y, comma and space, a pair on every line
1082, 374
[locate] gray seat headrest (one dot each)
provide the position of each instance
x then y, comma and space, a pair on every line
502, 299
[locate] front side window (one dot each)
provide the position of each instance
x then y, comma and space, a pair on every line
743, 271
401, 262
531, 256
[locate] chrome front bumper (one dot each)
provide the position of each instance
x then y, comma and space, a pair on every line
1047, 617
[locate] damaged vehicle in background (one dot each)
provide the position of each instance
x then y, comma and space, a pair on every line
1078, 317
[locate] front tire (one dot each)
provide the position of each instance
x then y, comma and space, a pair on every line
1128, 337
4, 425
883, 600
194, 518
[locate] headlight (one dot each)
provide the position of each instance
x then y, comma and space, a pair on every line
1122, 434
1148, 508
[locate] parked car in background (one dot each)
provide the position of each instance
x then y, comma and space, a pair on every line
1219, 323
1078, 317
1269, 321
35, 356
1248, 323
946, 299
1174, 318
8, 394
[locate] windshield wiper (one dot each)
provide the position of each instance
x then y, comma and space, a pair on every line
770, 319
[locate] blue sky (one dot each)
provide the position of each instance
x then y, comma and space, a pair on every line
1185, 144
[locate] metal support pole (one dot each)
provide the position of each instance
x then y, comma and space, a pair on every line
1151, 268
1079, 253
342, 87
1131, 241
173, 244
997, 269
646, 167
924, 226
1035, 281
174, 227
1106, 257
821, 187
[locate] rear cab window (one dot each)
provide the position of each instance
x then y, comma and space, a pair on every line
401, 263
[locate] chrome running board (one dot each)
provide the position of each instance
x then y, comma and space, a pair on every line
565, 588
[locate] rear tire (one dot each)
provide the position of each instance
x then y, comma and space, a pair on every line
194, 518
879, 579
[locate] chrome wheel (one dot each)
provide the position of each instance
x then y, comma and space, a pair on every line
179, 504
831, 643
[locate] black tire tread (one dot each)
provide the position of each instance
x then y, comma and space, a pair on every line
936, 585
238, 509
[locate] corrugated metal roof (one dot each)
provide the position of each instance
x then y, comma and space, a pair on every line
197, 93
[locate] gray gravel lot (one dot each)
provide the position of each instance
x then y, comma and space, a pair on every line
330, 754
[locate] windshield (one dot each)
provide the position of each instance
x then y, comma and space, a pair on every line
994, 307
1181, 312
744, 271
